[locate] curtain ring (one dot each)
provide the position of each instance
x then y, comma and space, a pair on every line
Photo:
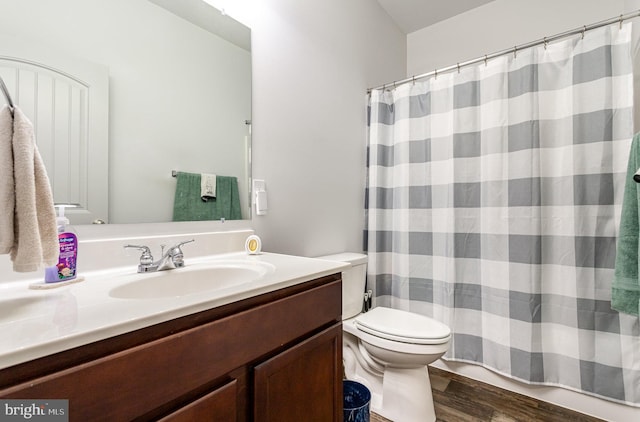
584, 29
485, 60
436, 72
413, 79
515, 52
394, 85
458, 67
621, 21
545, 43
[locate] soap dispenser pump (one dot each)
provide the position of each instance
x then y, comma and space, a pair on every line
67, 260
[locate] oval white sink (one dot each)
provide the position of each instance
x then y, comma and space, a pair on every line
197, 278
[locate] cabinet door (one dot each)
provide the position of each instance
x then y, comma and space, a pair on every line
219, 406
304, 383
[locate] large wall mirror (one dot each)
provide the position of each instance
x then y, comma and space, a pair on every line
123, 93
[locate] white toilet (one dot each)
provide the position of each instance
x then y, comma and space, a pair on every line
388, 350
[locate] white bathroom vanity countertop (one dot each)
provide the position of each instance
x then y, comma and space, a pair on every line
37, 323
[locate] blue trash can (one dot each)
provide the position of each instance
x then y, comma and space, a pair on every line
356, 399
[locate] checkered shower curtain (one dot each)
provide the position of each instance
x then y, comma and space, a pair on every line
493, 204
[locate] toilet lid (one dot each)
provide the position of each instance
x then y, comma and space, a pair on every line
406, 327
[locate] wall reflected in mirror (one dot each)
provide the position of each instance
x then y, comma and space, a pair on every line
155, 86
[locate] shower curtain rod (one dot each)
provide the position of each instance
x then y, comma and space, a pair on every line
513, 50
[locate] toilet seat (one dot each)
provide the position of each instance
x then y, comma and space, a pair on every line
402, 326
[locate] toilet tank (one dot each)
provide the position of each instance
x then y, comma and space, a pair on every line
354, 280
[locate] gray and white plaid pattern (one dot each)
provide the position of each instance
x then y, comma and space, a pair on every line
493, 204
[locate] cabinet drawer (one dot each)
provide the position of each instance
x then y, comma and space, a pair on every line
134, 382
219, 405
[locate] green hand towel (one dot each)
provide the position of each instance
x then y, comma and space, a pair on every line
189, 206
625, 291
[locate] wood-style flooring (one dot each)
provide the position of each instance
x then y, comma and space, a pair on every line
460, 399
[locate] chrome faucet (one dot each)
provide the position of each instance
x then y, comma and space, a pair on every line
171, 259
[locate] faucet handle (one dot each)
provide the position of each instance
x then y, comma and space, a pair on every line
177, 256
183, 243
146, 258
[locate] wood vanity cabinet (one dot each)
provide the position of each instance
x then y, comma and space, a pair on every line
273, 357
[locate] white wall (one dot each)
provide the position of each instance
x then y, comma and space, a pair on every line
500, 25
496, 26
312, 63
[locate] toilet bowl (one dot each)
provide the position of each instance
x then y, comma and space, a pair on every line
394, 366
388, 350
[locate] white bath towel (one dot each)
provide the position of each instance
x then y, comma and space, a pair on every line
35, 233
207, 186
7, 191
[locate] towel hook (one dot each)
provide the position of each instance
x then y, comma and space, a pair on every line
7, 96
